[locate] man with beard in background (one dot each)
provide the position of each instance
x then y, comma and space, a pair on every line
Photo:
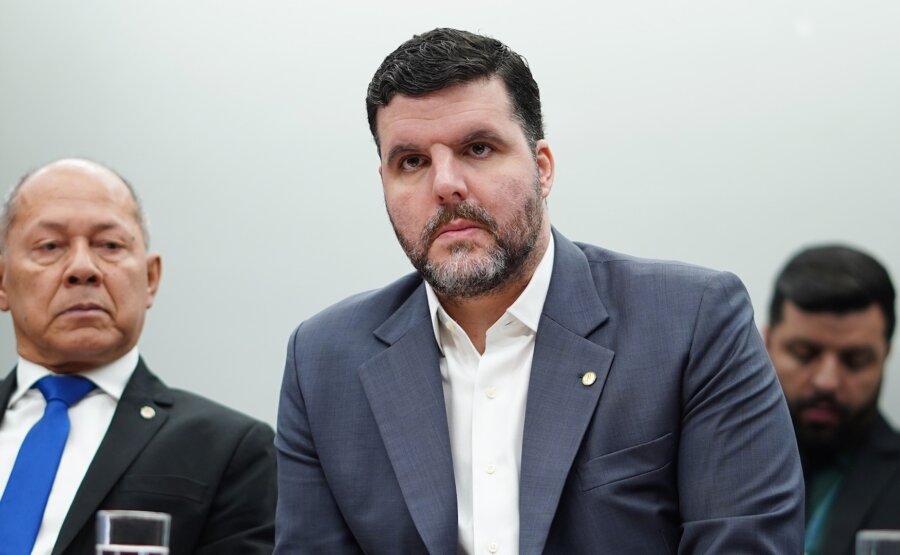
830, 325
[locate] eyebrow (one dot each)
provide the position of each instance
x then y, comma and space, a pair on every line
859, 349
477, 135
483, 135
58, 226
400, 149
862, 348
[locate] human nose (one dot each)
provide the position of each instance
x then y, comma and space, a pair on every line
82, 269
827, 376
449, 184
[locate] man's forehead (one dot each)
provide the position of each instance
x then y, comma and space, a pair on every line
481, 88
62, 183
460, 109
62, 195
865, 324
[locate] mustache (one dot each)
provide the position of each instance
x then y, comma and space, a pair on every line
461, 211
822, 399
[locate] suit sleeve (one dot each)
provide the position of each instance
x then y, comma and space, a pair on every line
308, 519
242, 514
739, 478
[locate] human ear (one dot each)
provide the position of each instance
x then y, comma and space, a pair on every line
154, 274
546, 166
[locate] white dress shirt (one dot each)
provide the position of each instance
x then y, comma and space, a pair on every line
89, 420
485, 398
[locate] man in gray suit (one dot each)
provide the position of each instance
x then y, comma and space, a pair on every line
521, 393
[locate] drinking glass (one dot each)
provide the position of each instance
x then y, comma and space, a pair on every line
132, 533
878, 542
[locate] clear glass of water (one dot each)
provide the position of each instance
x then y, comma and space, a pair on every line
132, 533
878, 542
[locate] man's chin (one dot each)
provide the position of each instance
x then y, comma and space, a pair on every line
820, 447
819, 438
442, 252
825, 437
823, 445
79, 354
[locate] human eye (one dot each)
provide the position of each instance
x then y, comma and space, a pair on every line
803, 352
47, 250
109, 247
49, 247
480, 150
411, 163
857, 359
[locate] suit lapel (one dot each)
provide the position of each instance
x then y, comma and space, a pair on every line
126, 437
403, 387
7, 386
863, 484
559, 406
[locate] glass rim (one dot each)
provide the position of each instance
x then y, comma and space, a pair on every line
128, 513
878, 534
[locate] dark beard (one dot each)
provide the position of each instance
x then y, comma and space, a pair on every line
459, 278
820, 446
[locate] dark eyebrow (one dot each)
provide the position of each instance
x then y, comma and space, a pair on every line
859, 350
483, 135
802, 342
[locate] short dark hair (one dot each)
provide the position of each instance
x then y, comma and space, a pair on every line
445, 57
834, 278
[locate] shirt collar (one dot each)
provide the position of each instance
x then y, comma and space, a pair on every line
527, 308
111, 378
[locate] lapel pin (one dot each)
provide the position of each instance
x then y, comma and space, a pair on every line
588, 378
148, 412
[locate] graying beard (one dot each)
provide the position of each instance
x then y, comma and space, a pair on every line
462, 278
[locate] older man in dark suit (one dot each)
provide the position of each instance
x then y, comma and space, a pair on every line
84, 425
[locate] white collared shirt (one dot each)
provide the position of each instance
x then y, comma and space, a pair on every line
89, 420
485, 398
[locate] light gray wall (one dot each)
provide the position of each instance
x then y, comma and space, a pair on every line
725, 133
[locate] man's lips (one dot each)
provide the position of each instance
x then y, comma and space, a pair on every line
83, 309
822, 415
458, 229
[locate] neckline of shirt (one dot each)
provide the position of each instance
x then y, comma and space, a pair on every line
110, 379
527, 308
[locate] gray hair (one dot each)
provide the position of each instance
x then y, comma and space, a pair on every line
8, 208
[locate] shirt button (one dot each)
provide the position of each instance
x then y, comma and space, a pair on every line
493, 547
490, 469
490, 392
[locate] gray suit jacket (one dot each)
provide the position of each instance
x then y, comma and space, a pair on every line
683, 444
211, 468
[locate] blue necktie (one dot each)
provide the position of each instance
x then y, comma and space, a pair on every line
31, 479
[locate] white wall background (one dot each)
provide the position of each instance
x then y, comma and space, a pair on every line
725, 133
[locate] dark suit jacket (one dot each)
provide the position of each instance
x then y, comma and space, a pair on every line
211, 468
682, 445
870, 496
